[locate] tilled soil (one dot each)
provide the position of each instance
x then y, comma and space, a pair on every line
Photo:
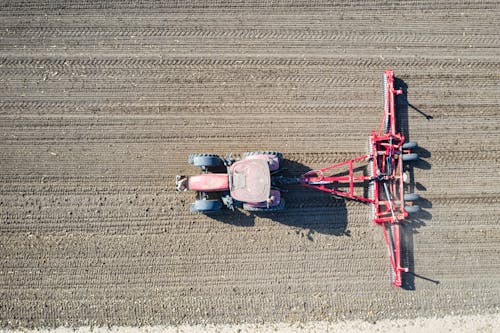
100, 104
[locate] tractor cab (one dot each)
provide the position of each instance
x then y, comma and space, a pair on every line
250, 180
234, 184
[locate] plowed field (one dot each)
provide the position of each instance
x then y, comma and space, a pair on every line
100, 104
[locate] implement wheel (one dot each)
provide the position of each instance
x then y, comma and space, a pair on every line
411, 197
277, 208
412, 209
410, 145
411, 157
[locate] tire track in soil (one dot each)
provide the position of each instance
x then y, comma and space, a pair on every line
100, 104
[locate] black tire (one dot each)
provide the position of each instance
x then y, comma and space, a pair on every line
278, 208
410, 145
205, 206
275, 153
411, 197
412, 209
205, 160
411, 157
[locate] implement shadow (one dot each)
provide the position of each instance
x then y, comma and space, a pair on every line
417, 220
311, 210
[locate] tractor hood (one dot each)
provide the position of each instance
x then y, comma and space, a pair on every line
251, 180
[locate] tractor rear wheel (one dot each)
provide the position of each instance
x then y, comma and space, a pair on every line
205, 160
205, 206
277, 208
275, 153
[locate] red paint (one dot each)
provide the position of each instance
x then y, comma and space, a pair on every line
272, 160
275, 200
209, 182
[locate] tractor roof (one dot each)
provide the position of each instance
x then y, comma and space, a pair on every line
251, 180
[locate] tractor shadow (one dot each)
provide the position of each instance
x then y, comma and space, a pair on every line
308, 211
418, 220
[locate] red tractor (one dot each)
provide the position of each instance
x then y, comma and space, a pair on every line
225, 182
254, 182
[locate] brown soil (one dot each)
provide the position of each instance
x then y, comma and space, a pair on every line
101, 104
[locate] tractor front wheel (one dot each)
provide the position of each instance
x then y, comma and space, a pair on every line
205, 206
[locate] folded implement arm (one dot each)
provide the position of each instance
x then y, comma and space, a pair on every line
386, 166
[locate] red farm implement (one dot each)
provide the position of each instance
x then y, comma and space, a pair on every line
254, 183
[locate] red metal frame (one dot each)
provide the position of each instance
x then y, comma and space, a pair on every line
386, 178
317, 179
